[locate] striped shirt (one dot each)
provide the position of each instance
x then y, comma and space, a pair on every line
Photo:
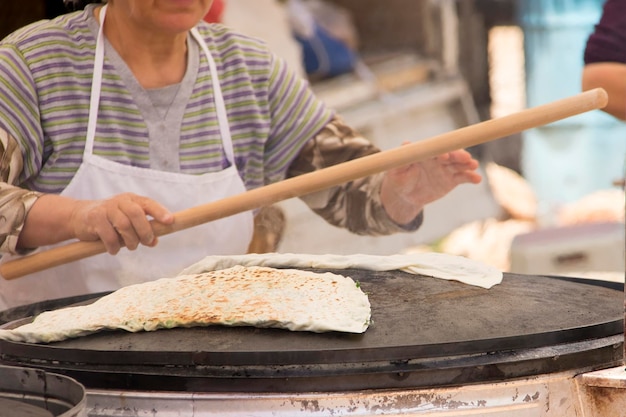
278, 127
45, 84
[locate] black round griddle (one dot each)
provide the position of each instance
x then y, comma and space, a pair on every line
425, 332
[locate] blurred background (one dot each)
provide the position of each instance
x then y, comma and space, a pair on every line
553, 198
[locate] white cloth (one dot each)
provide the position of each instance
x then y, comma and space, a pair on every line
99, 178
437, 265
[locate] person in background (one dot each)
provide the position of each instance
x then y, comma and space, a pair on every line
605, 57
125, 113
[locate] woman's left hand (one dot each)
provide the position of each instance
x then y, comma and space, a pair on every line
406, 190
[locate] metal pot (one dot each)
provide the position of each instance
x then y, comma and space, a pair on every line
27, 392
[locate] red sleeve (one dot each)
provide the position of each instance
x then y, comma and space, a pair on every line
215, 12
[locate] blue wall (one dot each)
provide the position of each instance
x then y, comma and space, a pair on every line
569, 159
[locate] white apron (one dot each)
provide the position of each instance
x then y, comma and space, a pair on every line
99, 178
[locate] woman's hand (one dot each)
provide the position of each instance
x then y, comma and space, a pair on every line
119, 221
406, 190
122, 220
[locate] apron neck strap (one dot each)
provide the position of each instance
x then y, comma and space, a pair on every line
220, 106
96, 83
96, 86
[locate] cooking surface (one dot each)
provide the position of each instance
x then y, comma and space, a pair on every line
414, 318
411, 315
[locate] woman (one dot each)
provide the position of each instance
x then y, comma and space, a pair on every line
116, 115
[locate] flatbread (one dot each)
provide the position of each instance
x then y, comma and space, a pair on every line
431, 264
239, 296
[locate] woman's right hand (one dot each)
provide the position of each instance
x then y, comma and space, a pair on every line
122, 220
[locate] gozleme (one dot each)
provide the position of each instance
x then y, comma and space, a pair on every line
237, 296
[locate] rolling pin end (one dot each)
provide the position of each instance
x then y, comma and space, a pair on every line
7, 273
602, 97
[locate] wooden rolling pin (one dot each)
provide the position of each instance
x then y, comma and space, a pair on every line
329, 177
